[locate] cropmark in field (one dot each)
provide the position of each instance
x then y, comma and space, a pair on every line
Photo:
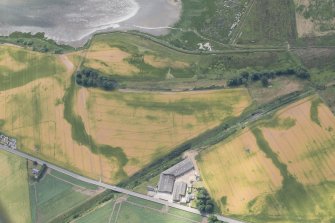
105, 135
127, 56
281, 168
144, 126
33, 112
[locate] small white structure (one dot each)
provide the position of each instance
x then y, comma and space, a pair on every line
8, 141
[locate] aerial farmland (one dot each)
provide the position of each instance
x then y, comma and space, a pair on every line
173, 111
276, 166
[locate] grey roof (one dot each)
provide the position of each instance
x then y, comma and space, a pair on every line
167, 178
179, 190
166, 183
180, 168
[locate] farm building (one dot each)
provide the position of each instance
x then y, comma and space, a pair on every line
179, 191
168, 177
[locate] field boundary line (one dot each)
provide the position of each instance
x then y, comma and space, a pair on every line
67, 182
164, 213
111, 216
117, 213
238, 32
66, 211
93, 209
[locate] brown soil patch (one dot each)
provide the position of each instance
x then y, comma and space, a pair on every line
307, 27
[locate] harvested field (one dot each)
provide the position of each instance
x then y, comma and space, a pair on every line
308, 148
237, 171
110, 61
298, 145
147, 126
93, 132
14, 191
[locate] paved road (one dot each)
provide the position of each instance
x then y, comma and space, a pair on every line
111, 187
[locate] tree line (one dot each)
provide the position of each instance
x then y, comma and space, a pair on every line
245, 77
92, 78
204, 202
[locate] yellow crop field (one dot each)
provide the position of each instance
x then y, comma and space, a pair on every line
34, 114
105, 135
14, 191
129, 56
110, 60
147, 125
280, 168
237, 171
308, 149
19, 66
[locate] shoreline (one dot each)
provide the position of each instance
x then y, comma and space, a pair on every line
152, 17
145, 20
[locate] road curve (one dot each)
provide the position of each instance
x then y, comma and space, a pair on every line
110, 187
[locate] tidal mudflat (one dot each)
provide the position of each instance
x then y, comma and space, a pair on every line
74, 21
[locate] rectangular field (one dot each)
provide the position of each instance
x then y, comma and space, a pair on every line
281, 168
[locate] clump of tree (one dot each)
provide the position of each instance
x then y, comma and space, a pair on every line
92, 78
213, 219
204, 202
265, 76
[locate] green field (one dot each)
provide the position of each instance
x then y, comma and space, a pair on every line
14, 191
56, 194
136, 210
269, 22
206, 20
100, 214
